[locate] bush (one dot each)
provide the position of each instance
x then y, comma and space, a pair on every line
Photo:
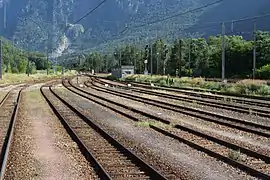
163, 82
264, 90
112, 78
264, 72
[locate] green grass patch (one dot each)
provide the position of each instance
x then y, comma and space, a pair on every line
235, 155
9, 78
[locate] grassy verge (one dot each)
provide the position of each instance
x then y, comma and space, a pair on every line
243, 87
9, 78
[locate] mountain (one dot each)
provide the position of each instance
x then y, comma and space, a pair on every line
34, 23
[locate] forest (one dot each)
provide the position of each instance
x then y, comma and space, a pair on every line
197, 57
16, 60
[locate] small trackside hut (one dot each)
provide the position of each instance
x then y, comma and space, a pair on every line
123, 71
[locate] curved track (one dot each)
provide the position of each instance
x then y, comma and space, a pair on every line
207, 102
236, 123
110, 159
210, 145
242, 99
8, 113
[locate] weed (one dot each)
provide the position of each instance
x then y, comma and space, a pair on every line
147, 124
250, 111
235, 155
142, 124
194, 103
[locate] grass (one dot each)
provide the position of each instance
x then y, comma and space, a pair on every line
235, 155
243, 87
147, 124
9, 78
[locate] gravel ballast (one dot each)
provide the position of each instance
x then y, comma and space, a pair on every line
247, 139
154, 147
41, 148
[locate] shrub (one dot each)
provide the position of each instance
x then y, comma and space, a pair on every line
112, 78
264, 90
264, 72
163, 82
235, 155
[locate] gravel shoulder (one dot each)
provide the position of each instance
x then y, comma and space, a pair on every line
162, 152
41, 148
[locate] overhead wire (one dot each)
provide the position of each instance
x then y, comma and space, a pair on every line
87, 14
173, 16
84, 16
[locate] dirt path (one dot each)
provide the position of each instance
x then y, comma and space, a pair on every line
41, 148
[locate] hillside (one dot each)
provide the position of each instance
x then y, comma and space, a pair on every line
31, 29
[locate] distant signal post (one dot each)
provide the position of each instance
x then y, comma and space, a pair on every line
0, 59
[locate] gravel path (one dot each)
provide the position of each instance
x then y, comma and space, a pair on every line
41, 148
161, 151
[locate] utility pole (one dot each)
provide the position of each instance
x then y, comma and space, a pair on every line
141, 59
223, 52
47, 54
1, 59
13, 49
151, 49
189, 57
145, 69
28, 69
5, 14
157, 61
120, 59
254, 51
107, 63
180, 57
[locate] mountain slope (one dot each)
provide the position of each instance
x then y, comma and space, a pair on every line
30, 22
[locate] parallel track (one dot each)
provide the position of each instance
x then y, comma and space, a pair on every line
249, 100
259, 98
212, 146
207, 102
110, 159
8, 114
205, 115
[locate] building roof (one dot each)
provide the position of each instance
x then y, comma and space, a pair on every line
127, 67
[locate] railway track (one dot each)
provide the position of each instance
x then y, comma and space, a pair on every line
259, 98
110, 159
207, 102
232, 122
253, 163
8, 114
262, 102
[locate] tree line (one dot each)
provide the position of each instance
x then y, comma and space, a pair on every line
15, 60
187, 57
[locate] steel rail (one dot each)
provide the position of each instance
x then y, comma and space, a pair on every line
178, 126
225, 159
179, 89
239, 99
211, 103
251, 100
5, 98
9, 136
205, 116
153, 174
